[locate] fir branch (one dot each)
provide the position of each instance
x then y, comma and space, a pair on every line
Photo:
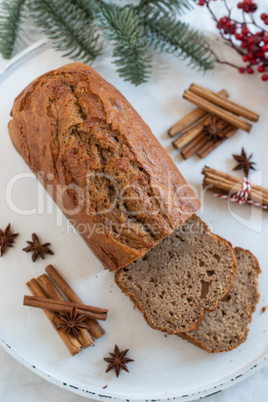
10, 24
166, 34
72, 27
122, 26
87, 7
69, 27
163, 6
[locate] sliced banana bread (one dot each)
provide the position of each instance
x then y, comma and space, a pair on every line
186, 274
227, 327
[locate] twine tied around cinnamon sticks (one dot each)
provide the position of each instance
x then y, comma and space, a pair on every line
47, 293
229, 117
241, 191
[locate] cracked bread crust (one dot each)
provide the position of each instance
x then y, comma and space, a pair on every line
97, 157
185, 275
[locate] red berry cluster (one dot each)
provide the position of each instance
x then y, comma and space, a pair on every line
247, 6
227, 25
246, 37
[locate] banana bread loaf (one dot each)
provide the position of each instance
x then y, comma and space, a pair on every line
100, 162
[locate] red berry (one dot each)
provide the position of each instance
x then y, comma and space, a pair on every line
244, 45
265, 38
245, 31
201, 2
251, 40
266, 21
250, 70
245, 58
265, 48
264, 77
240, 5
239, 36
263, 16
241, 70
261, 69
259, 55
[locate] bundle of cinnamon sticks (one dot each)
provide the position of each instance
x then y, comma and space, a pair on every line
224, 183
48, 291
228, 116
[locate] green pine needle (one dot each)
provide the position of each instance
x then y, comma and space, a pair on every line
69, 27
10, 23
166, 34
174, 6
86, 6
123, 27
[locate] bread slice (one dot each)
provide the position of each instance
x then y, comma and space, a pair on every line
186, 274
227, 327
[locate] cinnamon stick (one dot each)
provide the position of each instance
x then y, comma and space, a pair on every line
211, 145
62, 306
217, 180
193, 146
51, 291
94, 327
191, 118
79, 306
223, 102
191, 134
217, 111
73, 345
186, 121
202, 140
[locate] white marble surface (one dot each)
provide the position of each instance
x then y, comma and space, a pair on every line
18, 384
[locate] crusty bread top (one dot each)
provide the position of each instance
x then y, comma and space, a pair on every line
227, 327
186, 274
73, 126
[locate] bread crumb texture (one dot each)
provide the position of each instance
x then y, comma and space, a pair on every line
183, 276
227, 327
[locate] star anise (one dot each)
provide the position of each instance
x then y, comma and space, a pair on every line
72, 322
6, 239
244, 162
212, 131
37, 248
117, 361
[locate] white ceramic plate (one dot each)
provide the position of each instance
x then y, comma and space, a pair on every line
165, 367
